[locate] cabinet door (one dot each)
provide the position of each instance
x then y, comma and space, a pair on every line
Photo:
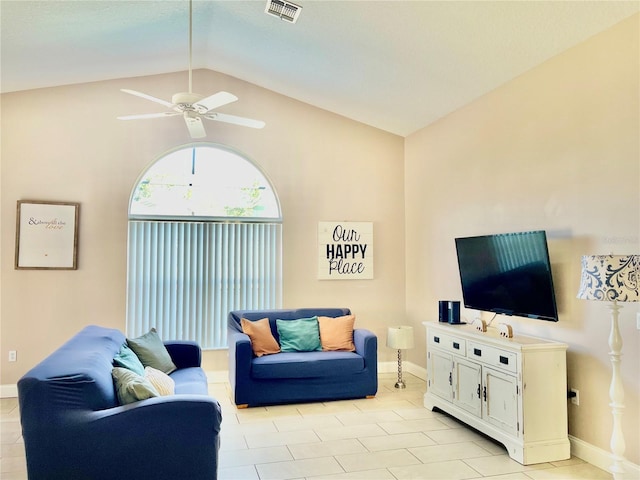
467, 381
500, 403
439, 367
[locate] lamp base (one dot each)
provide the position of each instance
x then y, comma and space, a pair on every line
400, 383
616, 394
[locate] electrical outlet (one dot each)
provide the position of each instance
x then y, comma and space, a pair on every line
13, 355
576, 398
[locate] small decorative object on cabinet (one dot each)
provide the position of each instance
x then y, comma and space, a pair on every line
512, 389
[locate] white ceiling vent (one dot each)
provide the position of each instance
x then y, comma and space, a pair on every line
287, 11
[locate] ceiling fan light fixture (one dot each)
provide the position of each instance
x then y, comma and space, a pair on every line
287, 11
194, 124
187, 98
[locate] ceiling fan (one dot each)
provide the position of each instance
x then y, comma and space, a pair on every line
193, 106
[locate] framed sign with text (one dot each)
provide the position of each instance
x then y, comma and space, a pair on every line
47, 235
345, 250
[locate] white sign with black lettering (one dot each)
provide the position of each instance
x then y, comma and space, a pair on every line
345, 250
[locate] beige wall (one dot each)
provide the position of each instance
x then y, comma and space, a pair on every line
65, 144
555, 149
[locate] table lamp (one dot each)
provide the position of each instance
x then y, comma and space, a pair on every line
400, 338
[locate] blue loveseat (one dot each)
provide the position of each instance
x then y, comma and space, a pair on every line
74, 428
294, 377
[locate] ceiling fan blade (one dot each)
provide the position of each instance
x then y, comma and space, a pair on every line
245, 122
148, 115
194, 124
148, 97
214, 101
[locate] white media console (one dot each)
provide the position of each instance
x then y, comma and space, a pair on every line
512, 389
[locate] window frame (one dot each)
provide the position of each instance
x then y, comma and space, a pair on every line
204, 218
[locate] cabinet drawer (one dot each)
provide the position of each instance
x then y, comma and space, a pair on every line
448, 343
492, 356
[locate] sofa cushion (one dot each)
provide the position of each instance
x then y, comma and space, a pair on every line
191, 381
126, 358
163, 383
306, 365
131, 387
262, 340
152, 352
300, 335
337, 333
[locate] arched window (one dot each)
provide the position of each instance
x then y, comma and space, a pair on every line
205, 236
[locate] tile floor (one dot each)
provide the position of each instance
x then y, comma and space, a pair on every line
390, 437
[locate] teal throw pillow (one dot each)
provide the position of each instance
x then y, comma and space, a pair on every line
152, 352
301, 335
127, 358
131, 387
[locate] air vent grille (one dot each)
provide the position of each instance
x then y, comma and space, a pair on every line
289, 12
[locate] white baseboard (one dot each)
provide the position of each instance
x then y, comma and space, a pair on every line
8, 391
222, 376
408, 367
416, 370
600, 458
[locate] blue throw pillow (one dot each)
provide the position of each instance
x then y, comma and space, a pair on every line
301, 335
127, 358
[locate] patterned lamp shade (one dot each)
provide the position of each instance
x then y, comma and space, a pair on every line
610, 278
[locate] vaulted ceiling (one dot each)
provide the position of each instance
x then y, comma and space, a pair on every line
395, 65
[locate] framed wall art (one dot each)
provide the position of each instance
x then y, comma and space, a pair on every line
47, 235
345, 250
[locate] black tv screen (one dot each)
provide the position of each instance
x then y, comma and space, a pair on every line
508, 273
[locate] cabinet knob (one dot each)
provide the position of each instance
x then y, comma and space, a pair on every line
477, 351
456, 345
436, 339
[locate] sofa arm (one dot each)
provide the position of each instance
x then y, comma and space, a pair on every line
366, 344
161, 438
240, 356
184, 353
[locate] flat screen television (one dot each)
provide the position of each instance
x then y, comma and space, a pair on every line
508, 274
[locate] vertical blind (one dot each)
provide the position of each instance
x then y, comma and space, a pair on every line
184, 277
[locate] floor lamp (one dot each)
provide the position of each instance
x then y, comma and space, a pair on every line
612, 278
400, 338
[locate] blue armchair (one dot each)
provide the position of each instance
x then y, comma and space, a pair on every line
299, 376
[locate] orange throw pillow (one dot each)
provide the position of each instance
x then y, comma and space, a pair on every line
262, 340
337, 333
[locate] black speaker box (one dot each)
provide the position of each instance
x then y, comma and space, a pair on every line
443, 311
453, 310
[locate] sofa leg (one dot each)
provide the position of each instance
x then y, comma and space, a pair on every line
370, 396
244, 405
